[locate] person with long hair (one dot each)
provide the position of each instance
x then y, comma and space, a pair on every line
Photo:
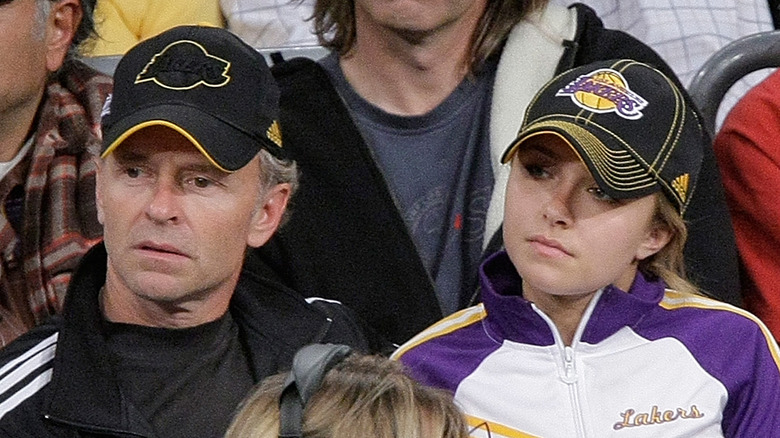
588, 325
398, 132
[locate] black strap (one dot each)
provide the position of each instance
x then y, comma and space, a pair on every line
310, 365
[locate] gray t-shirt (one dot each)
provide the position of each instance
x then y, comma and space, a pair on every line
437, 167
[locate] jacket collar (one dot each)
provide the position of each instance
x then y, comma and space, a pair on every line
529, 59
85, 393
512, 317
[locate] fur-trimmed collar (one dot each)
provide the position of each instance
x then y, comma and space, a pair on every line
529, 59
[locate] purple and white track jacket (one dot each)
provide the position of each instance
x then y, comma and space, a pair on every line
648, 363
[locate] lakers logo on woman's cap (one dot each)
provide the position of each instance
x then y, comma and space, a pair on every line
630, 124
605, 90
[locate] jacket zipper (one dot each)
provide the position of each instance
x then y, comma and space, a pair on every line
568, 367
570, 377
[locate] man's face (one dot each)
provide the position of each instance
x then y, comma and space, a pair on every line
417, 17
175, 227
23, 50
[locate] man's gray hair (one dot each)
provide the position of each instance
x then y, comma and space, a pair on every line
274, 171
41, 15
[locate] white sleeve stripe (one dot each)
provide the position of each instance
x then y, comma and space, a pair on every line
30, 353
27, 368
674, 299
313, 299
444, 326
28, 391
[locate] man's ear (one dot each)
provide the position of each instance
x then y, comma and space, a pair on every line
61, 26
268, 216
657, 238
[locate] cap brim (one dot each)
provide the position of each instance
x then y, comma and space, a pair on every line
616, 171
226, 148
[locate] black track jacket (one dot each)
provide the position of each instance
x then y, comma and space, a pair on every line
56, 380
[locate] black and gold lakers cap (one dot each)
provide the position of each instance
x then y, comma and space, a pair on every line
628, 122
203, 82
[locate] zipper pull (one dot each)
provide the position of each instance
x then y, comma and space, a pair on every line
570, 373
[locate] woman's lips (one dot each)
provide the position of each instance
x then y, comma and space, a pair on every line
549, 247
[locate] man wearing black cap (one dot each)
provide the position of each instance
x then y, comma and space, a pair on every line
163, 332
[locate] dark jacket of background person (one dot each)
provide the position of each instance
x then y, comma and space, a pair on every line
347, 241
57, 380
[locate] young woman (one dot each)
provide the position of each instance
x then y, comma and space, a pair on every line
588, 327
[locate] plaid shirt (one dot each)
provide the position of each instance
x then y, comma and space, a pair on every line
58, 220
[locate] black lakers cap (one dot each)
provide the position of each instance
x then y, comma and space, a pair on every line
628, 122
203, 82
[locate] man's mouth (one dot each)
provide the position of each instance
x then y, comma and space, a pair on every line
161, 248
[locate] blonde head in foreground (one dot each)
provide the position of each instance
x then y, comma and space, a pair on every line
363, 396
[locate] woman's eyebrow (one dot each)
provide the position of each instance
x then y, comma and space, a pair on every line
540, 149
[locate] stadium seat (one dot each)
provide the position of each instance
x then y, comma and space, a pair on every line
727, 66
107, 64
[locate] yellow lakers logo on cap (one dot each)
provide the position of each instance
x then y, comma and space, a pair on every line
680, 185
605, 90
274, 133
183, 65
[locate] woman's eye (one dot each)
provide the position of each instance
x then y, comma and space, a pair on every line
601, 195
535, 170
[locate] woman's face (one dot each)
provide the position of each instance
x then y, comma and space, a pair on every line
562, 233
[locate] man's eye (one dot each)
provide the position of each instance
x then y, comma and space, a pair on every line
201, 182
133, 172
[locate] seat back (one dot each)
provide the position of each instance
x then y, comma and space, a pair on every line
274, 54
104, 64
107, 64
728, 65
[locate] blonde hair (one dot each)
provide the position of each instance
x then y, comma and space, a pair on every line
669, 263
363, 396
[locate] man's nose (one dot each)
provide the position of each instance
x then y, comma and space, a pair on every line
164, 205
